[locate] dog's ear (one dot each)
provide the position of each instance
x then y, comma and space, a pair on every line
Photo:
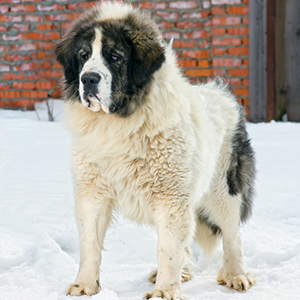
147, 56
65, 55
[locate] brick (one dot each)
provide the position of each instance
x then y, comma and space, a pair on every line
4, 68
238, 72
4, 9
199, 73
24, 85
53, 7
52, 36
246, 21
3, 28
3, 48
196, 15
226, 41
218, 31
44, 85
47, 74
246, 82
171, 34
10, 18
56, 93
20, 27
204, 44
4, 86
218, 10
81, 6
225, 21
246, 41
222, 2
246, 101
33, 18
187, 63
62, 17
9, 94
65, 25
246, 62
234, 81
183, 5
196, 54
219, 51
238, 51
28, 103
167, 15
200, 34
227, 62
153, 5
184, 44
2, 103
13, 76
204, 64
187, 24
34, 94
219, 72
23, 8
15, 57
24, 47
165, 24
33, 66
238, 10
206, 4
238, 31
242, 92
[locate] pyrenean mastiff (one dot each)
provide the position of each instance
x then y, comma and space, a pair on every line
148, 143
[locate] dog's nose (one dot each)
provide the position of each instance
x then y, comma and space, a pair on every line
90, 79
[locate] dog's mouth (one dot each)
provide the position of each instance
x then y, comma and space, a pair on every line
95, 103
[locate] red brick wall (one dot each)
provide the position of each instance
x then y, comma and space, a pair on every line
211, 37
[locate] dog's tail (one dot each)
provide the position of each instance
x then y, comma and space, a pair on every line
207, 236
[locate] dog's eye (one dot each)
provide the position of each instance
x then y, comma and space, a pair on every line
115, 58
84, 57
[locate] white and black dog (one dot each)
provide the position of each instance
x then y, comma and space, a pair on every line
148, 143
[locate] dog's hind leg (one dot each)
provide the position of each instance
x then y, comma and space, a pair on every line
93, 213
225, 213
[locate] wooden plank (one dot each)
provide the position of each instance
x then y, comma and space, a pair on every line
271, 60
292, 43
281, 89
258, 75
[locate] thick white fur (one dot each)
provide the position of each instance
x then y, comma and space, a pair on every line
159, 166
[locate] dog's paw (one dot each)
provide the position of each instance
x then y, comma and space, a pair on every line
80, 289
164, 294
236, 282
186, 275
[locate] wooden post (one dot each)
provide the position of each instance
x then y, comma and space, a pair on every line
292, 44
271, 60
258, 75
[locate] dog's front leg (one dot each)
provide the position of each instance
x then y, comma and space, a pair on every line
93, 214
175, 229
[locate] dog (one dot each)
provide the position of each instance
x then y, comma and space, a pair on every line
148, 143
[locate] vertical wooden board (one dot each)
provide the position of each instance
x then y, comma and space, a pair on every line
281, 90
292, 43
258, 47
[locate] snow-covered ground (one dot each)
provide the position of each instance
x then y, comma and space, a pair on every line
39, 250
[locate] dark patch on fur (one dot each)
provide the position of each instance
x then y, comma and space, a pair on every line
204, 218
241, 172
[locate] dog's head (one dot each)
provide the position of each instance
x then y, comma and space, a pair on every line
109, 56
